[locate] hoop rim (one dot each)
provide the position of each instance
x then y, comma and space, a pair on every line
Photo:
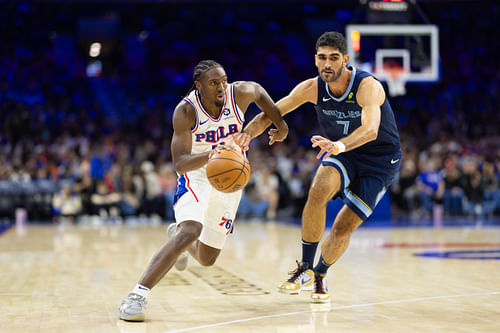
393, 72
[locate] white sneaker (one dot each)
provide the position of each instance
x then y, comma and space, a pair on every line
182, 261
132, 308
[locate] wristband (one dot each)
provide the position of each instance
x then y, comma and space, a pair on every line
340, 146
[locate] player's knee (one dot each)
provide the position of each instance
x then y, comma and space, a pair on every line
208, 257
319, 193
189, 232
208, 261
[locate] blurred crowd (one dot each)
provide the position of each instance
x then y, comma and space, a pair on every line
76, 147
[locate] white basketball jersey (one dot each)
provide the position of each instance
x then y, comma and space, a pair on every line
196, 199
210, 132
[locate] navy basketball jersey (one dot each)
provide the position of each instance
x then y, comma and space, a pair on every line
339, 117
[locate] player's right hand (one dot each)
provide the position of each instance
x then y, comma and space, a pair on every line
214, 151
327, 147
219, 148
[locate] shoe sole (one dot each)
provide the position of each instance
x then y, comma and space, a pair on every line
288, 292
319, 301
295, 292
133, 318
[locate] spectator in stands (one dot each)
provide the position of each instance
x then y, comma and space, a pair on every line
85, 188
267, 188
491, 184
168, 182
66, 204
404, 192
431, 188
453, 193
475, 190
105, 204
100, 163
474, 193
153, 200
130, 203
251, 204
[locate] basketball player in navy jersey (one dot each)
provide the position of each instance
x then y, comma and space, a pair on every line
205, 121
359, 151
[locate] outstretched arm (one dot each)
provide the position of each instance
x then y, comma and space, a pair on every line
254, 93
370, 97
305, 91
251, 92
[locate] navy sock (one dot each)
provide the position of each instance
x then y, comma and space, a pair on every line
308, 252
322, 267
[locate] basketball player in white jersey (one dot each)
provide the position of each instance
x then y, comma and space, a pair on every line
205, 121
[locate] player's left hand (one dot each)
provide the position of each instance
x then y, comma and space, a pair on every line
327, 147
242, 139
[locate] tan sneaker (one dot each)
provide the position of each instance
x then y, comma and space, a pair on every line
301, 279
320, 293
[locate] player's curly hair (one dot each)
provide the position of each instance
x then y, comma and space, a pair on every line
201, 68
333, 39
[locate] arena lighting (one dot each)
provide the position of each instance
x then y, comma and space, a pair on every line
355, 40
95, 49
388, 5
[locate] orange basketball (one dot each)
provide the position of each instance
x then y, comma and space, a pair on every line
228, 171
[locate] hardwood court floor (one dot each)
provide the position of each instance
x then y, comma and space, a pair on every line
73, 279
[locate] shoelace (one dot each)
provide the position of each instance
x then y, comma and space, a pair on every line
138, 299
296, 272
318, 284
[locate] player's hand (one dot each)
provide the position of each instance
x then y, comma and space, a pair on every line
220, 148
278, 134
327, 147
242, 139
216, 150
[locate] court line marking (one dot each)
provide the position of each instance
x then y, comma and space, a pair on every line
432, 245
409, 300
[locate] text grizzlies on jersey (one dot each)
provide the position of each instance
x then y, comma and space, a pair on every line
342, 115
215, 136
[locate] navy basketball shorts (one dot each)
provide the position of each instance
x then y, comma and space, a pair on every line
364, 178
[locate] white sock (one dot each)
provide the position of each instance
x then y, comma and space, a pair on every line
141, 290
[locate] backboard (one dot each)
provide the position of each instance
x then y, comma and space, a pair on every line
405, 53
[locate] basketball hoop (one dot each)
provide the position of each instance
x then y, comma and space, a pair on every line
396, 79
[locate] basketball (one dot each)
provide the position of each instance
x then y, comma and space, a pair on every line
228, 171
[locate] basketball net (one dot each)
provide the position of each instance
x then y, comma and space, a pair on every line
395, 77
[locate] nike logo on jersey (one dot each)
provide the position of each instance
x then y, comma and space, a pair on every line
202, 122
326, 99
394, 161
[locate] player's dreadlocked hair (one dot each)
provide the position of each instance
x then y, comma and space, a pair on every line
201, 68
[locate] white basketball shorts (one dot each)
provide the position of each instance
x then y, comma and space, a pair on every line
213, 209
